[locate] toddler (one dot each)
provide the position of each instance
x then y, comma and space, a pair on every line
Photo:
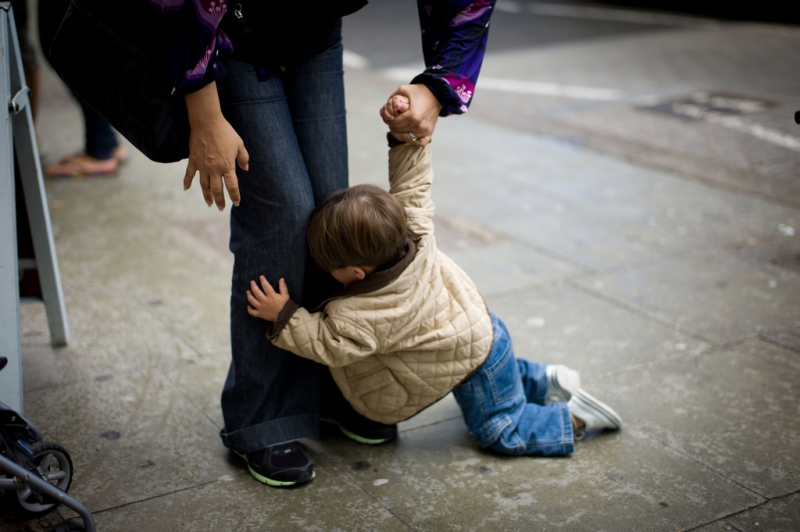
409, 326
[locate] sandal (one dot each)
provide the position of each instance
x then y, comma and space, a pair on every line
81, 165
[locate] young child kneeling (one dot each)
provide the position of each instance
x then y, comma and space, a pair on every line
409, 326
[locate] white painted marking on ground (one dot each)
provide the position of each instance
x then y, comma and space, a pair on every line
549, 89
523, 87
353, 60
739, 124
535, 322
604, 13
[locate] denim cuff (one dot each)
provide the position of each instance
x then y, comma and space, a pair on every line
274, 432
567, 434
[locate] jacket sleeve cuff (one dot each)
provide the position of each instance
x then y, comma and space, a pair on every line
393, 142
452, 104
284, 316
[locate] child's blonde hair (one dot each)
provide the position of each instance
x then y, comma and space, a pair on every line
358, 226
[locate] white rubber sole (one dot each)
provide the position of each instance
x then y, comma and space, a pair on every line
595, 413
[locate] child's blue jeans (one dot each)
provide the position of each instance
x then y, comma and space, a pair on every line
503, 404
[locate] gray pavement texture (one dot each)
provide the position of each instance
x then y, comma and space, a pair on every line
655, 254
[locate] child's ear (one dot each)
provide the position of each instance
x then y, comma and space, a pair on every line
359, 272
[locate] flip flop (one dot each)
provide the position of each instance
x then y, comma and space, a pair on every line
81, 166
120, 154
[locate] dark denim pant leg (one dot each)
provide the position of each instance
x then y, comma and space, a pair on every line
272, 396
498, 413
100, 139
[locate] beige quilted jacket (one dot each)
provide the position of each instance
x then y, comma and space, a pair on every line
402, 338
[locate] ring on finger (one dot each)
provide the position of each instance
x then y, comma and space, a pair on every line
412, 136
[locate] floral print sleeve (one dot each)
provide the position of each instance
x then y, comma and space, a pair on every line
197, 40
454, 36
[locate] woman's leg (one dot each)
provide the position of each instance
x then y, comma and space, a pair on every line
270, 395
497, 411
315, 94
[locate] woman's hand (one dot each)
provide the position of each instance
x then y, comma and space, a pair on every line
214, 148
266, 304
419, 119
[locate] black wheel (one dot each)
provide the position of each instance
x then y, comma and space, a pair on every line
55, 466
67, 526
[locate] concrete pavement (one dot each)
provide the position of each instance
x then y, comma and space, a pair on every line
669, 288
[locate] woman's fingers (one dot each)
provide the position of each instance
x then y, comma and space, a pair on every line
243, 158
188, 177
205, 186
232, 185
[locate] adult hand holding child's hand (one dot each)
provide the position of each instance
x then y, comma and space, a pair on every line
414, 122
267, 304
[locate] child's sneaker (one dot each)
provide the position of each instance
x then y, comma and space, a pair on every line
594, 414
562, 382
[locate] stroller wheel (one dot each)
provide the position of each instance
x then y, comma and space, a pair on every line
55, 466
67, 526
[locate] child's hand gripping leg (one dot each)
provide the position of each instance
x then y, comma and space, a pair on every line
267, 304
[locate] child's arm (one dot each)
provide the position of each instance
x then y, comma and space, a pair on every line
330, 340
334, 340
410, 178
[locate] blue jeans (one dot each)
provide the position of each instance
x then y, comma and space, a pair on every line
293, 127
100, 139
503, 404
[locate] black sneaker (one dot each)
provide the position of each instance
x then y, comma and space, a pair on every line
281, 465
335, 409
365, 430
358, 428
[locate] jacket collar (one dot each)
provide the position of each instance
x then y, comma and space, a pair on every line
376, 280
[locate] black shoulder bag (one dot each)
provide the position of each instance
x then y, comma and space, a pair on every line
116, 56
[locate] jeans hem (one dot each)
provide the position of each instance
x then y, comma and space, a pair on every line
269, 433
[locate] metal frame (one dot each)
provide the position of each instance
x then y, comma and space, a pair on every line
17, 134
23, 478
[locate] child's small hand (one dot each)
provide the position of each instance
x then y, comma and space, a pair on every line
266, 304
396, 105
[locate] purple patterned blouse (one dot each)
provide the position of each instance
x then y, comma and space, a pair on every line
454, 36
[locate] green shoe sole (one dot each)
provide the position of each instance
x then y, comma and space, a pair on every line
266, 480
353, 436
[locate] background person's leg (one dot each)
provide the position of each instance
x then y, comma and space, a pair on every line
100, 139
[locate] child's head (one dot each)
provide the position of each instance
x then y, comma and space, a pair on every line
358, 226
